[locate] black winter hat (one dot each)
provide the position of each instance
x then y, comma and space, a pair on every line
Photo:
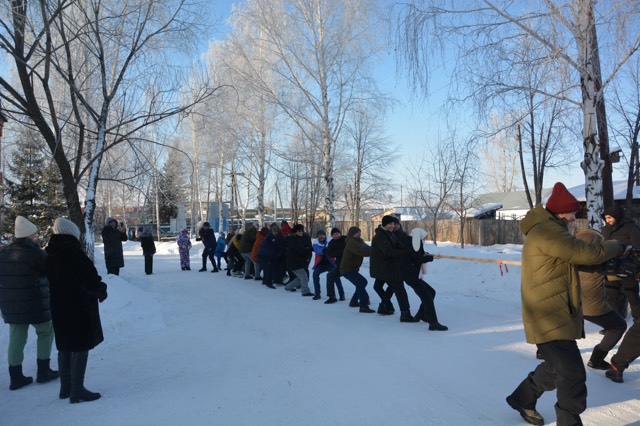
387, 219
615, 212
297, 227
334, 230
321, 231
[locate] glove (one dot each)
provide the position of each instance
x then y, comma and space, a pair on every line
102, 296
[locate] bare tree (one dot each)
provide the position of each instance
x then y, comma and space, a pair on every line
565, 33
320, 52
369, 157
110, 59
433, 182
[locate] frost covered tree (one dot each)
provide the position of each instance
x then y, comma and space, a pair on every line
93, 75
565, 32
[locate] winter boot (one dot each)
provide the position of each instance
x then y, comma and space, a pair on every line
45, 373
390, 308
366, 310
436, 326
531, 416
353, 303
597, 360
614, 373
204, 266
64, 364
78, 367
330, 301
383, 309
405, 316
18, 379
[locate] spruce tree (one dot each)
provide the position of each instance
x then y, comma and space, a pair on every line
171, 186
35, 187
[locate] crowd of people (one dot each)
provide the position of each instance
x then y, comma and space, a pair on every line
564, 282
289, 257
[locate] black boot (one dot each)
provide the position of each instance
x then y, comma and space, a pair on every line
78, 366
383, 309
615, 373
436, 326
597, 360
390, 308
64, 364
18, 379
405, 316
45, 373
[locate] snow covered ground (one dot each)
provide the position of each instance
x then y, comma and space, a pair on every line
190, 348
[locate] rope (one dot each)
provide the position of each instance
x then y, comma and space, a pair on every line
478, 259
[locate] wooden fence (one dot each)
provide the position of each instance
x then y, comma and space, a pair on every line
485, 232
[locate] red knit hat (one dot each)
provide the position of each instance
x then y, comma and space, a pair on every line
562, 201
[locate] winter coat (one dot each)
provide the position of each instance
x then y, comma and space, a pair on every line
233, 247
112, 239
551, 299
184, 242
24, 290
386, 256
299, 252
594, 295
355, 250
320, 254
268, 248
221, 246
412, 262
335, 249
208, 238
148, 246
624, 230
256, 246
248, 238
76, 289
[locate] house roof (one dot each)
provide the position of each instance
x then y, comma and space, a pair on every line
513, 200
619, 192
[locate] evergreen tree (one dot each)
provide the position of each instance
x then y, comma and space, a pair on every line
35, 187
171, 186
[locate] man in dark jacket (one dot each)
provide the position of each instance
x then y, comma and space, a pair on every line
387, 257
112, 237
335, 249
208, 238
24, 301
622, 290
299, 251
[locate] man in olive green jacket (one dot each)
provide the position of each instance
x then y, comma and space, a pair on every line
551, 306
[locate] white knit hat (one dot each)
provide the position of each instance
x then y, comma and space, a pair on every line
417, 234
24, 228
66, 227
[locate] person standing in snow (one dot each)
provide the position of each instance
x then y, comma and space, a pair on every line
355, 251
148, 249
299, 250
387, 257
412, 270
622, 292
113, 236
246, 245
221, 247
335, 250
551, 306
184, 245
596, 308
76, 289
321, 262
24, 301
209, 243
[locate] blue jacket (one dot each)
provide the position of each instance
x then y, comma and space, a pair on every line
221, 246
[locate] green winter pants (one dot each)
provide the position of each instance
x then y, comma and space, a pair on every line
18, 339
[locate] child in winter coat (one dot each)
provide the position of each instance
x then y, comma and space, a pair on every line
184, 245
221, 247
